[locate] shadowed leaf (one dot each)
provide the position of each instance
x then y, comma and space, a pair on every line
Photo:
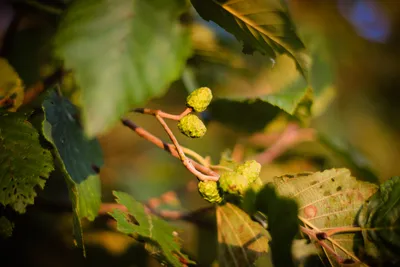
282, 223
381, 215
24, 164
241, 241
80, 158
158, 234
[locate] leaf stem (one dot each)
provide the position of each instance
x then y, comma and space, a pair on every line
307, 222
312, 235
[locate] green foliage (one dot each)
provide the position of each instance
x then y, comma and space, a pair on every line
236, 114
241, 241
199, 99
264, 26
154, 231
6, 227
24, 164
209, 191
80, 158
380, 215
328, 200
283, 223
192, 126
121, 56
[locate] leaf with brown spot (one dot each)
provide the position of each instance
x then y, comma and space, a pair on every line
327, 200
241, 241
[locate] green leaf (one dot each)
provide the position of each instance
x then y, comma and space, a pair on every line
24, 164
351, 156
281, 87
327, 200
6, 227
80, 158
123, 53
381, 216
264, 26
283, 223
236, 114
241, 241
157, 233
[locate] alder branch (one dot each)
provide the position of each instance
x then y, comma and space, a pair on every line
163, 114
170, 148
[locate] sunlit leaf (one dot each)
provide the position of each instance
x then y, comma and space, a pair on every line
24, 164
241, 241
328, 200
11, 88
80, 158
381, 216
158, 234
264, 26
121, 55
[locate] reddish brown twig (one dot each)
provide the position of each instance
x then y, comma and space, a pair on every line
167, 147
163, 114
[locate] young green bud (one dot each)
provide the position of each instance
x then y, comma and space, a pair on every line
199, 99
209, 191
192, 126
250, 169
233, 183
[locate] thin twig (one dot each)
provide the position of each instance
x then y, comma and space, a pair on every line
165, 146
185, 161
163, 114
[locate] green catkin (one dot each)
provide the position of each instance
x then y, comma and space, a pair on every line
192, 126
199, 99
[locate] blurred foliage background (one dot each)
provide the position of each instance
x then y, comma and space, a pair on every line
356, 43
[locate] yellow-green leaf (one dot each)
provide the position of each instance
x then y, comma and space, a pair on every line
241, 241
11, 88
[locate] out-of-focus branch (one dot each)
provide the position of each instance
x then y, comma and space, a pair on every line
291, 136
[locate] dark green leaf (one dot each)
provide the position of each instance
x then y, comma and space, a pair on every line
328, 200
241, 241
351, 156
24, 164
80, 158
283, 223
28, 51
158, 235
236, 114
6, 227
121, 55
381, 215
264, 26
